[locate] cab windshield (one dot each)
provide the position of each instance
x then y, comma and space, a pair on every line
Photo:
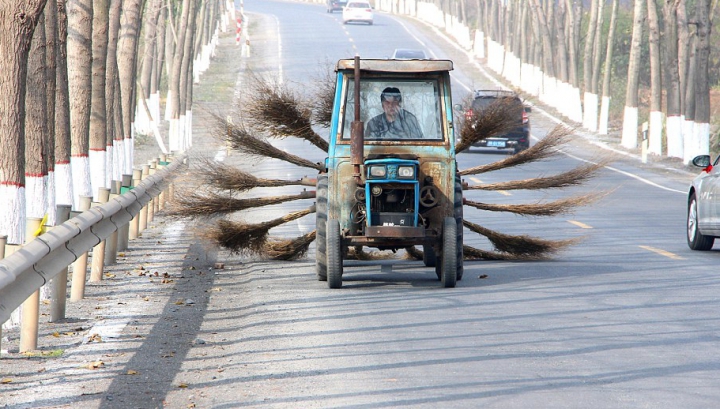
395, 110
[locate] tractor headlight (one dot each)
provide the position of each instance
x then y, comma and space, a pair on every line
406, 172
377, 171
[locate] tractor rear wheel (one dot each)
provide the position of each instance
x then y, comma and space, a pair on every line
429, 257
448, 260
458, 213
321, 226
334, 254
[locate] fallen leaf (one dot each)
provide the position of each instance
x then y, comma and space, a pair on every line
183, 385
132, 372
179, 302
167, 281
46, 302
95, 338
483, 276
56, 334
108, 275
6, 380
95, 365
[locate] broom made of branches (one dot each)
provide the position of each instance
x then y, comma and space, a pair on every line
241, 140
243, 238
278, 110
472, 253
521, 245
500, 117
290, 249
324, 100
572, 177
541, 208
225, 177
192, 204
545, 148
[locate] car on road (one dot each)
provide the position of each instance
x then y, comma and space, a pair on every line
408, 54
703, 206
335, 5
358, 12
516, 140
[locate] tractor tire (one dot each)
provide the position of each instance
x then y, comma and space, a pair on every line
448, 260
429, 256
334, 254
321, 227
458, 213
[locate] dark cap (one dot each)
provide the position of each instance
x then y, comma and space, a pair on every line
391, 92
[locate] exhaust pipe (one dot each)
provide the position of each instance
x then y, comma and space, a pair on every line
357, 128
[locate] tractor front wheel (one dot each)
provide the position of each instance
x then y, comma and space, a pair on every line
334, 254
448, 261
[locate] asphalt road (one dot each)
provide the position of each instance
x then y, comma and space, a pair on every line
625, 319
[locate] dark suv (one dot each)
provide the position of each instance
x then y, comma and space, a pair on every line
519, 138
335, 5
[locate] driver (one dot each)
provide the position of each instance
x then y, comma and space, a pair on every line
394, 122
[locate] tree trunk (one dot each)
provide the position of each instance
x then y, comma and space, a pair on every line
14, 49
544, 34
672, 81
79, 47
574, 18
99, 178
605, 103
186, 75
143, 121
51, 50
36, 126
589, 97
702, 80
115, 143
176, 77
63, 173
656, 115
560, 43
127, 59
630, 118
684, 46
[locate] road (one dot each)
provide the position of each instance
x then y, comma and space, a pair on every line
626, 319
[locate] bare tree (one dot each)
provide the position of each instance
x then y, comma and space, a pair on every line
98, 118
51, 51
79, 48
590, 96
127, 59
672, 81
175, 79
630, 118
605, 102
113, 105
656, 115
63, 174
702, 81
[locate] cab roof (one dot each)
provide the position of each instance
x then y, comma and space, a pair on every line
402, 66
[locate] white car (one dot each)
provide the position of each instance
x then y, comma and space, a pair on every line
359, 11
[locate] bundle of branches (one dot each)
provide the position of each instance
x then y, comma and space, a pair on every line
192, 204
545, 148
471, 253
413, 253
290, 249
277, 110
241, 140
322, 104
541, 208
522, 245
225, 177
357, 253
500, 117
243, 238
572, 177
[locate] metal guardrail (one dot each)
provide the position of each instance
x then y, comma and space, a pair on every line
34, 264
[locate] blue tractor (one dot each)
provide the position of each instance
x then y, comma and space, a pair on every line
391, 179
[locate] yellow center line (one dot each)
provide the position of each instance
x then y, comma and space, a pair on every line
580, 224
662, 252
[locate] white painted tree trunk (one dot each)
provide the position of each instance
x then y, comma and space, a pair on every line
674, 125
689, 144
168, 109
174, 136
35, 189
63, 184
12, 203
479, 44
81, 178
119, 158
590, 111
655, 133
50, 197
630, 123
604, 116
97, 176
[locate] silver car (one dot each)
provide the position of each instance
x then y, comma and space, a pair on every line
703, 215
358, 11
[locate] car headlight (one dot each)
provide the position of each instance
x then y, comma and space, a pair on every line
406, 172
377, 171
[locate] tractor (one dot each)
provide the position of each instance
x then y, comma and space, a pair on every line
391, 179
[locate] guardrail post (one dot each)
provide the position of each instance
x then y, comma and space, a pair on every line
98, 254
58, 298
152, 204
79, 266
162, 197
134, 231
111, 246
3, 242
144, 210
30, 312
124, 231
